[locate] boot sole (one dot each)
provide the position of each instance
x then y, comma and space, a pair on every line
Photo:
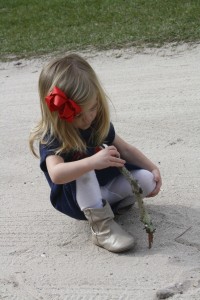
117, 250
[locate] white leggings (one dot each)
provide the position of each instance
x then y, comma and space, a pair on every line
89, 193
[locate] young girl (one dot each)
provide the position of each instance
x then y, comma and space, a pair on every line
80, 153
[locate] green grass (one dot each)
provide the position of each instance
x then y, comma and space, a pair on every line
36, 27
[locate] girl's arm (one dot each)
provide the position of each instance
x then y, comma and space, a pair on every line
134, 156
62, 172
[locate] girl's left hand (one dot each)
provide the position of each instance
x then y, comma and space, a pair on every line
158, 180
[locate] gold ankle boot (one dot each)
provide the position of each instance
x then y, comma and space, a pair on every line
124, 205
106, 232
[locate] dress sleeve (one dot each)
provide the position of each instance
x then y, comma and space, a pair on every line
111, 135
46, 150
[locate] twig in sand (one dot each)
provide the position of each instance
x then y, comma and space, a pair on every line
144, 216
182, 233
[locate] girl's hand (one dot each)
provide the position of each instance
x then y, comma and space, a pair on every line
158, 180
108, 157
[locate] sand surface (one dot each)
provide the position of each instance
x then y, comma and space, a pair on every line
47, 255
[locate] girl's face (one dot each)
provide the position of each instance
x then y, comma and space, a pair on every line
88, 114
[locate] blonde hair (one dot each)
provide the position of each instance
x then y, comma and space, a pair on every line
76, 78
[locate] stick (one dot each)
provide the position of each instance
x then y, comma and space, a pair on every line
144, 216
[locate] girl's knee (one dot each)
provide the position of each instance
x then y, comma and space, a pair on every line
87, 178
145, 180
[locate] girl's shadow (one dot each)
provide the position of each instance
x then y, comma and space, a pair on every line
175, 224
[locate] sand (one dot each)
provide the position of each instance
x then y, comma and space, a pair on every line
47, 255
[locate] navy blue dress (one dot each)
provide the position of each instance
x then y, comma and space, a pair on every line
63, 196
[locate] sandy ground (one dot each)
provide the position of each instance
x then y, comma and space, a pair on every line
46, 255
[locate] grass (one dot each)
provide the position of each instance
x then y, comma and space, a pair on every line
35, 27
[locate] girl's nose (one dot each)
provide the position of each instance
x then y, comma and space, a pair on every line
88, 117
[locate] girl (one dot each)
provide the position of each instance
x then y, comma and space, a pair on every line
80, 153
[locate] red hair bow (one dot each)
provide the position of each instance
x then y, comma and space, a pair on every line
67, 108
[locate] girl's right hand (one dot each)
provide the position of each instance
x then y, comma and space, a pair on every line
107, 157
